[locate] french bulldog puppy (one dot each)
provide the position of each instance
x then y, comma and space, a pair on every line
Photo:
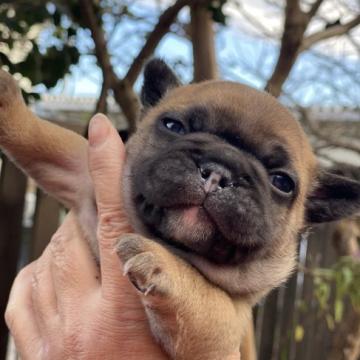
220, 181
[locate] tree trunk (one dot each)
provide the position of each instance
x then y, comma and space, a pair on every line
12, 195
129, 103
123, 92
202, 35
294, 28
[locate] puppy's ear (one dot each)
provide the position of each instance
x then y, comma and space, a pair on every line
333, 198
158, 79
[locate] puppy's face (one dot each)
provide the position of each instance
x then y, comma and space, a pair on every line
220, 172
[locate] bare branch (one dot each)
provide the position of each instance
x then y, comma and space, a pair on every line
295, 25
101, 105
328, 33
123, 88
257, 24
160, 29
314, 9
202, 35
98, 36
293, 41
316, 131
292, 9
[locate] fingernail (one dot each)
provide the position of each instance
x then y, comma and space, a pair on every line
98, 130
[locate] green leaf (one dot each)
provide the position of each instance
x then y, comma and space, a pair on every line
299, 333
347, 275
322, 293
338, 310
330, 321
216, 9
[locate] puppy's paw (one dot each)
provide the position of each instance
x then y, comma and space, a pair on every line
143, 265
130, 245
144, 273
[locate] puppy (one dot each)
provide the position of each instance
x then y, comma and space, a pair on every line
220, 182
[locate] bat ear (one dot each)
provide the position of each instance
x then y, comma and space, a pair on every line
334, 197
158, 79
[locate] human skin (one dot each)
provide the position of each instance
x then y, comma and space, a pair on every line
62, 306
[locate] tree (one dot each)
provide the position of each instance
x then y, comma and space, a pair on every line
202, 38
21, 22
85, 14
294, 41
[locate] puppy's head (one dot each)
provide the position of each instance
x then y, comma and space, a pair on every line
223, 174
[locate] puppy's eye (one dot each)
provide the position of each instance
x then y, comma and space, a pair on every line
174, 126
283, 182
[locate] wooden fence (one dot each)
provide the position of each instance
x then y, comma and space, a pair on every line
289, 325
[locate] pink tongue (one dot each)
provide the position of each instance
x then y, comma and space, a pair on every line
191, 225
190, 216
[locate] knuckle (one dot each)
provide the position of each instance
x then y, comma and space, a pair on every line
37, 274
24, 275
25, 272
58, 239
35, 282
57, 247
111, 225
21, 280
10, 317
60, 256
58, 261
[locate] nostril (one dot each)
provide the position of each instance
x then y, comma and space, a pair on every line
205, 173
223, 183
214, 177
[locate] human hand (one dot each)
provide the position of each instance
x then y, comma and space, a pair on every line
62, 306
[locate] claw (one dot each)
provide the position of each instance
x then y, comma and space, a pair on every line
149, 289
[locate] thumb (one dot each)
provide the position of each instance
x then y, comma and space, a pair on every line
106, 160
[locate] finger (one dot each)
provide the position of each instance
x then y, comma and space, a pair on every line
106, 159
43, 294
20, 316
73, 268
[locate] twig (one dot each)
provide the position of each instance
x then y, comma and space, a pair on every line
315, 130
329, 33
314, 8
98, 36
160, 29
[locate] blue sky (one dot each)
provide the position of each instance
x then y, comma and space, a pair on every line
324, 79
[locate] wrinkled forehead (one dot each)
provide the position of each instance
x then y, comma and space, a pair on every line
239, 111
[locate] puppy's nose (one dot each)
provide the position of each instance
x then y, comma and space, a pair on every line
215, 177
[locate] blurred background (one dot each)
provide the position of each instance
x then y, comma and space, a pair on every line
75, 58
